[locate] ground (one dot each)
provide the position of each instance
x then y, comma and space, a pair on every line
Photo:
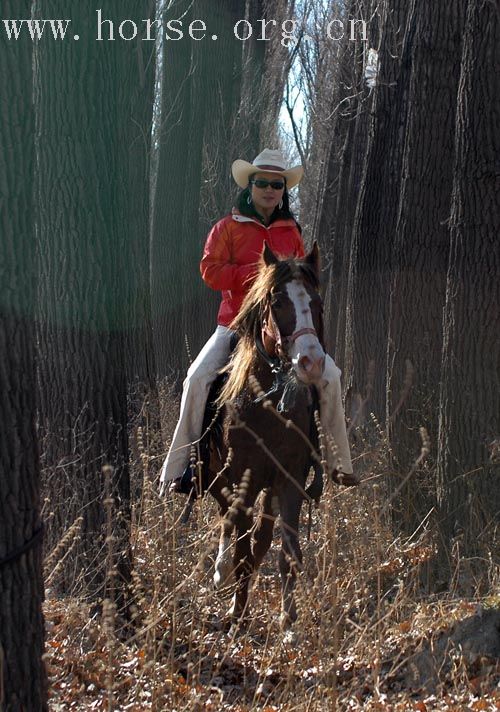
368, 637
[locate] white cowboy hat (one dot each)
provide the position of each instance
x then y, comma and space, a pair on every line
269, 162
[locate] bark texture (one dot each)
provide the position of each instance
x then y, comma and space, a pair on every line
140, 352
22, 673
82, 139
469, 426
421, 246
367, 302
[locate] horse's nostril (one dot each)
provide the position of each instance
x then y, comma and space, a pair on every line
308, 364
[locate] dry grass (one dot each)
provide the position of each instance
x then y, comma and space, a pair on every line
363, 608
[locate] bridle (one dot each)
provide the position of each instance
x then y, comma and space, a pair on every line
282, 343
279, 362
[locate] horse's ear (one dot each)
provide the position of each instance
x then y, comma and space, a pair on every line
268, 255
313, 259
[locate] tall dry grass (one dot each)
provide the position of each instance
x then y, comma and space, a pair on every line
363, 600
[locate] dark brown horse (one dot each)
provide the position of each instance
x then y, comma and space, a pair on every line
278, 358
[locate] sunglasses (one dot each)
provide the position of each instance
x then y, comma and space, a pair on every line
261, 183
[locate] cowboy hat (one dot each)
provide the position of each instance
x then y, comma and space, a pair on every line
269, 162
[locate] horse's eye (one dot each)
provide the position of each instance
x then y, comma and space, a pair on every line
276, 302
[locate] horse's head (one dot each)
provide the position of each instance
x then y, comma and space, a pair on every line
292, 323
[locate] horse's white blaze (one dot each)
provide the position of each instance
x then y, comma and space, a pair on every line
223, 563
306, 344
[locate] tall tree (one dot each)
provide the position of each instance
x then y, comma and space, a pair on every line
22, 673
83, 107
139, 124
350, 180
367, 298
331, 215
469, 427
420, 251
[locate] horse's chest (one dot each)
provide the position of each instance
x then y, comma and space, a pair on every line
259, 436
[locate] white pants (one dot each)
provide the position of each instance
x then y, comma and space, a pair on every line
200, 377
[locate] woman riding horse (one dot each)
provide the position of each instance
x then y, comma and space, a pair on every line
267, 408
230, 260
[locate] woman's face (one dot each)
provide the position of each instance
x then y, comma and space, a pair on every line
266, 199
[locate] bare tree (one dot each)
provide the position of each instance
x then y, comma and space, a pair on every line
367, 295
140, 351
469, 426
83, 240
420, 252
22, 672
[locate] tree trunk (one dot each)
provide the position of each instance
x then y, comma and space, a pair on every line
351, 178
374, 224
140, 351
329, 221
420, 252
223, 140
22, 672
83, 106
469, 427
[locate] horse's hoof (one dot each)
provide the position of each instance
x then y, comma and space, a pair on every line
290, 637
237, 628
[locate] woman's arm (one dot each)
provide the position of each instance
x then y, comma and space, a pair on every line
216, 266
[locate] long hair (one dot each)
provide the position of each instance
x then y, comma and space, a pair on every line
248, 322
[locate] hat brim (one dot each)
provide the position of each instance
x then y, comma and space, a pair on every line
242, 170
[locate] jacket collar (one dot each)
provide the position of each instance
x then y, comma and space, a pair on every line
244, 218
238, 217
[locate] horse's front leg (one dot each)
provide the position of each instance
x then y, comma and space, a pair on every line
263, 535
290, 556
243, 561
224, 568
223, 574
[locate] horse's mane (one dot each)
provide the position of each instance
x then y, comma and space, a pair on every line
248, 322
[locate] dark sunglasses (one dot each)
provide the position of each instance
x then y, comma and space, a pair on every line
261, 183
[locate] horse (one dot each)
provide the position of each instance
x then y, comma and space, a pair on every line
266, 410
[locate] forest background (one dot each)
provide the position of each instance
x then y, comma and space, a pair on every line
115, 163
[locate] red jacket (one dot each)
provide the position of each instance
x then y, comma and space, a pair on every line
232, 251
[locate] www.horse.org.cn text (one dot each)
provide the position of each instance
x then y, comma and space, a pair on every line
288, 32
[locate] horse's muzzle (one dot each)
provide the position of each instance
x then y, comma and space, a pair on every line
309, 369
